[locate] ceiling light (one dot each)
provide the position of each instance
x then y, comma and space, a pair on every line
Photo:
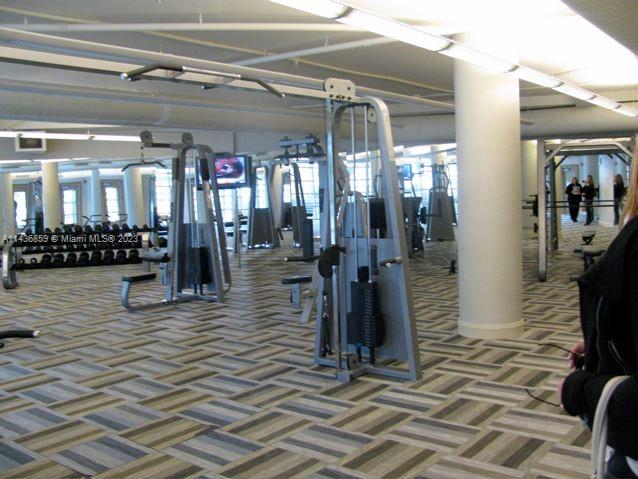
574, 91
627, 111
8, 134
399, 31
323, 8
536, 77
115, 138
604, 102
12, 162
470, 55
53, 136
52, 160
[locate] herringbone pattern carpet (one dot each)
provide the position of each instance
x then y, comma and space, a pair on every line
229, 390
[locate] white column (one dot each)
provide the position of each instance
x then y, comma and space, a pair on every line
488, 140
590, 167
528, 179
96, 205
606, 173
559, 185
7, 207
51, 197
133, 197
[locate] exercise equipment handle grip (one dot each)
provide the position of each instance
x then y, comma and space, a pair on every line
19, 333
387, 263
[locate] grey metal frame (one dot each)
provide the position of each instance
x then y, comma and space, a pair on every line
395, 293
210, 233
545, 163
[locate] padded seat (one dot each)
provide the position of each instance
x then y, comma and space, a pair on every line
593, 253
155, 259
298, 279
588, 237
139, 278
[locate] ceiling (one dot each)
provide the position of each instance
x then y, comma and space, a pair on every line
390, 66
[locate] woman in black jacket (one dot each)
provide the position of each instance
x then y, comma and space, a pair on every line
589, 191
619, 194
573, 198
609, 321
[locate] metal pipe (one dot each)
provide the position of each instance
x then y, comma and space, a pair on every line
80, 48
368, 42
181, 26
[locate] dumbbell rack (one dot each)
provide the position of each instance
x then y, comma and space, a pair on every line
74, 249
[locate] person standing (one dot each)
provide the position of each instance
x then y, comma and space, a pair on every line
589, 192
619, 195
573, 192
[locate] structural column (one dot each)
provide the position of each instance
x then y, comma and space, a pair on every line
606, 172
590, 167
488, 140
96, 210
134, 197
7, 207
529, 183
51, 197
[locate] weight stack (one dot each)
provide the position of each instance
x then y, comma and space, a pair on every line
364, 322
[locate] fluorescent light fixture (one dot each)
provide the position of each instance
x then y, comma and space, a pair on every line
52, 160
53, 136
405, 33
13, 162
323, 8
115, 138
80, 159
574, 91
627, 111
470, 55
604, 102
536, 77
399, 31
67, 136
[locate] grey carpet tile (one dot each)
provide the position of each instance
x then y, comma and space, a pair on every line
229, 390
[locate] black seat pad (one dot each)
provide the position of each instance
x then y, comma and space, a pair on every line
296, 280
138, 278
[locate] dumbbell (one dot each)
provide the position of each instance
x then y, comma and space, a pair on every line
78, 230
135, 228
47, 231
96, 258
58, 230
88, 229
134, 257
28, 231
163, 242
145, 228
20, 265
46, 261
71, 260
115, 228
125, 228
33, 264
108, 258
120, 257
106, 228
98, 229
83, 259
58, 260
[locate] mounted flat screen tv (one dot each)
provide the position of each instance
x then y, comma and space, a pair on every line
232, 171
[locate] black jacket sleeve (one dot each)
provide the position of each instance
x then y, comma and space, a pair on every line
582, 389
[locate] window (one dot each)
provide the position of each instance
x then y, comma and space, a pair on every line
163, 192
20, 198
71, 203
112, 199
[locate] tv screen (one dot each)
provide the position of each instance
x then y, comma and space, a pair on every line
232, 171
405, 171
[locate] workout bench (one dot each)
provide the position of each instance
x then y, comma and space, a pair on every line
127, 284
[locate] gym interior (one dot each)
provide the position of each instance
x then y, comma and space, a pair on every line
295, 238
